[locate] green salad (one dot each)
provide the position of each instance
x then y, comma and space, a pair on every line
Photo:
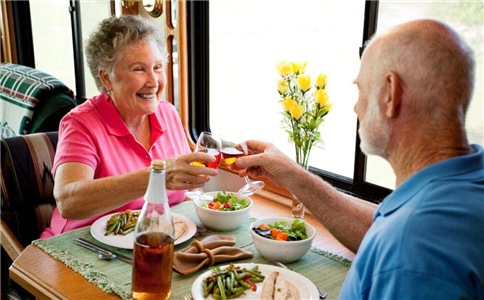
226, 202
281, 231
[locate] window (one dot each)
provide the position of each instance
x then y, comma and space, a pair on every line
242, 53
243, 56
92, 13
242, 59
53, 52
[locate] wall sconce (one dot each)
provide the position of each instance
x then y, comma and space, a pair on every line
127, 4
153, 7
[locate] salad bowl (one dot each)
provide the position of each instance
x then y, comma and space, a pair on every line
224, 219
285, 251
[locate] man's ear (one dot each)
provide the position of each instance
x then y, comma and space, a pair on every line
393, 94
105, 79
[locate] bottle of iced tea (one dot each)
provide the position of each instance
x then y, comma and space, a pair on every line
154, 241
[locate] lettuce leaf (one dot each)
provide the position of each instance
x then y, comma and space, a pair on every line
296, 231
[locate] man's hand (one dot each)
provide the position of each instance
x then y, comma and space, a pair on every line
267, 161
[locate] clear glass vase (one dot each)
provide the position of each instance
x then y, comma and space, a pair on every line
297, 209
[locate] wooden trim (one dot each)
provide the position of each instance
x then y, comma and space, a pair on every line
112, 6
9, 242
180, 33
9, 48
169, 87
168, 18
19, 275
183, 65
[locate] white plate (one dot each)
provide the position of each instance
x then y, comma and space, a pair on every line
307, 290
98, 229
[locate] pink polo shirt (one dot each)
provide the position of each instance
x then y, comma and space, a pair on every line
94, 134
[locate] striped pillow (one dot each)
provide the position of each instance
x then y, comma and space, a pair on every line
27, 184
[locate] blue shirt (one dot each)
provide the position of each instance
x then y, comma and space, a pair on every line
427, 237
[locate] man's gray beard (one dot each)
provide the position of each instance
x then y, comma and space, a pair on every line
374, 131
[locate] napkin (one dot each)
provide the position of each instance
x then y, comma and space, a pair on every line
212, 250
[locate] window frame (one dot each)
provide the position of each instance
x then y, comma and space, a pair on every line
199, 98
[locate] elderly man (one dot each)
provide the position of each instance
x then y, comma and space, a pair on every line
426, 240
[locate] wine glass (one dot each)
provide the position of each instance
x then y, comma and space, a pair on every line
210, 144
233, 146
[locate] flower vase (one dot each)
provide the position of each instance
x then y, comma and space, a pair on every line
297, 209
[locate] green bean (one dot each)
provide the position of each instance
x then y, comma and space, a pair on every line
240, 276
220, 273
258, 274
232, 281
230, 268
244, 284
224, 283
236, 295
256, 279
210, 287
204, 288
110, 229
228, 285
116, 231
222, 289
125, 232
215, 296
121, 223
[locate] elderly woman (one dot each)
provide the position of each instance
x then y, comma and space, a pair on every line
106, 144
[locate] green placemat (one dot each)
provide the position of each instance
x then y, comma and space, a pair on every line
324, 269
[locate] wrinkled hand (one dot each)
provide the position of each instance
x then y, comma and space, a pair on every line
268, 161
181, 175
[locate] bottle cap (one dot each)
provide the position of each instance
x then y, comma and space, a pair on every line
158, 165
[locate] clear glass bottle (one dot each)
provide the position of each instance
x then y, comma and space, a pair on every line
154, 241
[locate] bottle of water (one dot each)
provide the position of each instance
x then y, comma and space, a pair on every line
154, 241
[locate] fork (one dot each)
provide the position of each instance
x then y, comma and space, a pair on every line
188, 297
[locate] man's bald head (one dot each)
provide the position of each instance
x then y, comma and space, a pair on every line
435, 65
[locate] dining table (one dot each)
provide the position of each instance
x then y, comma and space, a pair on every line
50, 273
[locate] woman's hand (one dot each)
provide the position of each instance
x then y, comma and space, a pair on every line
181, 175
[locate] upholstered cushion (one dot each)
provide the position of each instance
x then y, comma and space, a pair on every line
32, 101
27, 184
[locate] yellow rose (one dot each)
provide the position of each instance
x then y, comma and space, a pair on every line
328, 106
298, 67
304, 82
321, 80
282, 86
284, 68
297, 111
288, 103
321, 97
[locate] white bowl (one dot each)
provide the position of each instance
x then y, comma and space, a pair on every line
281, 251
222, 220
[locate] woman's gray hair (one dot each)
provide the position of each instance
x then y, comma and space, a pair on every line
111, 36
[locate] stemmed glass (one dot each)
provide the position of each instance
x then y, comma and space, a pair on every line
233, 146
210, 144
